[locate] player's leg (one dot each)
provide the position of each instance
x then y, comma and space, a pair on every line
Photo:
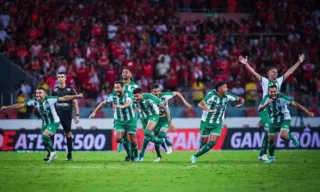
157, 148
43, 128
132, 129
162, 134
265, 120
214, 131
66, 124
127, 146
146, 140
286, 135
273, 130
120, 127
152, 122
204, 136
47, 142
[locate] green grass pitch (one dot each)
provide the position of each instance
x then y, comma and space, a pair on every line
216, 171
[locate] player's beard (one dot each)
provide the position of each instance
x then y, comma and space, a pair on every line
125, 77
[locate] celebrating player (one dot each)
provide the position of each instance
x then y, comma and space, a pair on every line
162, 125
214, 106
50, 120
124, 117
149, 108
273, 79
64, 111
280, 119
129, 86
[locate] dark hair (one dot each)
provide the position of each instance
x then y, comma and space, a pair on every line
61, 73
41, 88
270, 68
137, 90
155, 86
273, 86
127, 68
219, 84
119, 82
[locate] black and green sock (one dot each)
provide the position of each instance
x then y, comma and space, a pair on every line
126, 145
134, 150
47, 142
157, 148
163, 135
271, 149
202, 143
264, 146
207, 147
152, 137
145, 144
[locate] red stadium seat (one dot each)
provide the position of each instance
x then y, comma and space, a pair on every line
81, 102
12, 114
2, 114
99, 114
251, 112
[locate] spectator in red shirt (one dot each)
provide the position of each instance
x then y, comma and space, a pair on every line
172, 80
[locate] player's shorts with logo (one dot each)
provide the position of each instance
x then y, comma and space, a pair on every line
210, 128
52, 128
129, 126
265, 119
153, 118
66, 121
275, 128
162, 124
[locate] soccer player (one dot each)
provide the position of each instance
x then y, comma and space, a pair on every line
50, 119
272, 79
162, 126
124, 116
64, 111
280, 119
214, 106
129, 86
149, 108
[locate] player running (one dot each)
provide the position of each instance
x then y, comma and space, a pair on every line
124, 116
272, 79
129, 86
162, 126
280, 119
214, 106
64, 111
149, 108
50, 119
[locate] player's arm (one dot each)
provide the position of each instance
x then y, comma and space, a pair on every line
69, 97
302, 108
76, 109
203, 106
241, 102
178, 94
167, 115
98, 108
265, 105
244, 61
294, 67
14, 106
127, 104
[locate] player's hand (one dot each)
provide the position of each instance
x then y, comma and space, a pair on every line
301, 58
310, 114
269, 101
172, 128
4, 107
80, 95
76, 119
92, 115
210, 111
188, 106
243, 60
119, 106
239, 105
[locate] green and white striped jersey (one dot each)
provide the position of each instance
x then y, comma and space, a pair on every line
164, 97
218, 105
266, 83
129, 88
278, 109
124, 114
46, 109
148, 106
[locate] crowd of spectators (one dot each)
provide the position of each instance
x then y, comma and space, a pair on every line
92, 40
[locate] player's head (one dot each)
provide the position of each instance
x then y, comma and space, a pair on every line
40, 93
61, 77
137, 95
273, 92
118, 87
155, 90
221, 87
273, 73
126, 73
